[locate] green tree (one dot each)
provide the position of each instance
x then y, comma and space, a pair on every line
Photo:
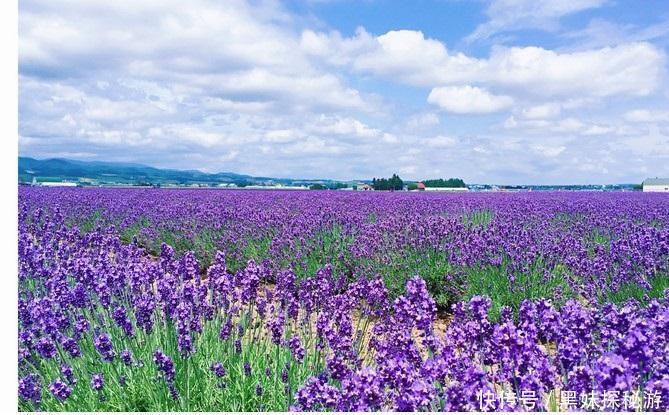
394, 183
452, 182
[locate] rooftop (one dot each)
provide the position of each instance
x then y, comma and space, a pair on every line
656, 182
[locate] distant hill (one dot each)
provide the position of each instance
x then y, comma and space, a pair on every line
101, 172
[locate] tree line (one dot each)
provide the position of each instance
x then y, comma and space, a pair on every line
452, 182
394, 183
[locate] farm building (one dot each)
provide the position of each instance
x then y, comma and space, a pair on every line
420, 186
57, 184
656, 185
446, 189
364, 187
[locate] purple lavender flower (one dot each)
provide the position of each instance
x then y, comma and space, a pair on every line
82, 325
71, 347
144, 308
60, 390
275, 326
121, 319
46, 348
97, 381
30, 388
218, 369
105, 348
66, 371
165, 365
226, 330
174, 393
296, 348
126, 357
316, 396
185, 344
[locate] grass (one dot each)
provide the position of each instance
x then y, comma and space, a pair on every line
495, 282
328, 246
632, 290
133, 230
401, 266
481, 217
91, 222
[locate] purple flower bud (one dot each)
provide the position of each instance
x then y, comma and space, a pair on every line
126, 357
66, 371
60, 390
105, 348
218, 369
97, 381
296, 348
165, 365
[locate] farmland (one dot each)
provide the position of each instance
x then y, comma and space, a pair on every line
206, 300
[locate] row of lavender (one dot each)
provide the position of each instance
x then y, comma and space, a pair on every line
598, 241
104, 327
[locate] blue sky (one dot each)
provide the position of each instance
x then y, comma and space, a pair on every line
500, 91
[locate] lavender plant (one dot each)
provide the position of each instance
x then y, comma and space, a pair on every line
295, 306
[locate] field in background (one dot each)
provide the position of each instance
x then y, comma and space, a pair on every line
323, 294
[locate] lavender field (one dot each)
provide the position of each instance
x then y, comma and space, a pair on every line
240, 300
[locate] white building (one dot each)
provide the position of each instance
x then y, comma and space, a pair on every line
446, 189
58, 184
656, 185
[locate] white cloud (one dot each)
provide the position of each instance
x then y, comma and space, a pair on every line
282, 136
548, 151
468, 100
598, 130
252, 88
440, 141
542, 111
344, 126
347, 128
633, 69
647, 116
230, 53
422, 121
507, 15
569, 126
600, 32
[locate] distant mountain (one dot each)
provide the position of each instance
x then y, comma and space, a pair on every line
102, 172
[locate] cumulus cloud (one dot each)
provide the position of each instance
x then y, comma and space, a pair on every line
231, 54
254, 88
634, 68
468, 100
